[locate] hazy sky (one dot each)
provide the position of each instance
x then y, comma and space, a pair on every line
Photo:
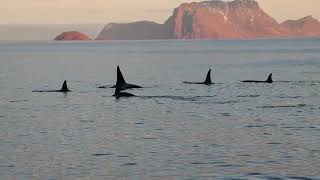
104, 11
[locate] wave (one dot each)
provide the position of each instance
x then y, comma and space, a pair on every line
283, 106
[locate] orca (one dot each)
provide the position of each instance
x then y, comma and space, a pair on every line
269, 80
63, 89
206, 82
119, 94
121, 83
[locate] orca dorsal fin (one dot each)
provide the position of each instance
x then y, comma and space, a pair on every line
120, 78
64, 87
269, 80
117, 92
208, 78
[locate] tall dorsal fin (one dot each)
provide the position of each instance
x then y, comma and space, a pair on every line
208, 78
269, 80
120, 78
64, 87
117, 91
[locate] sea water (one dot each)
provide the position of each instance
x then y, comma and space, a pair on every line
170, 130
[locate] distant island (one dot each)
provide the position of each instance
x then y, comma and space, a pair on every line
72, 36
239, 19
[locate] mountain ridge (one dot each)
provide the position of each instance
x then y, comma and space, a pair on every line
238, 19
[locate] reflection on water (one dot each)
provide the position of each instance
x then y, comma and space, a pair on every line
171, 130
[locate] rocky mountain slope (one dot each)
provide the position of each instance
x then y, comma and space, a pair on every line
134, 31
238, 19
307, 26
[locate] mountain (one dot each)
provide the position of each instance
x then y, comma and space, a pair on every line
134, 31
307, 26
44, 32
238, 19
72, 36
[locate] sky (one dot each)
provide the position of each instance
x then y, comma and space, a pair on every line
105, 11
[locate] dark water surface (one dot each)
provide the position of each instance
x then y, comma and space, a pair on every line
230, 130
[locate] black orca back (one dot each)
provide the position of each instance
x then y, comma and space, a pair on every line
119, 94
208, 78
269, 80
64, 87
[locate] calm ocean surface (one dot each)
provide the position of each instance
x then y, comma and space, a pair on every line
171, 130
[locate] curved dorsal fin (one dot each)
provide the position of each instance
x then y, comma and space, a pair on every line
269, 80
120, 78
64, 87
208, 78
